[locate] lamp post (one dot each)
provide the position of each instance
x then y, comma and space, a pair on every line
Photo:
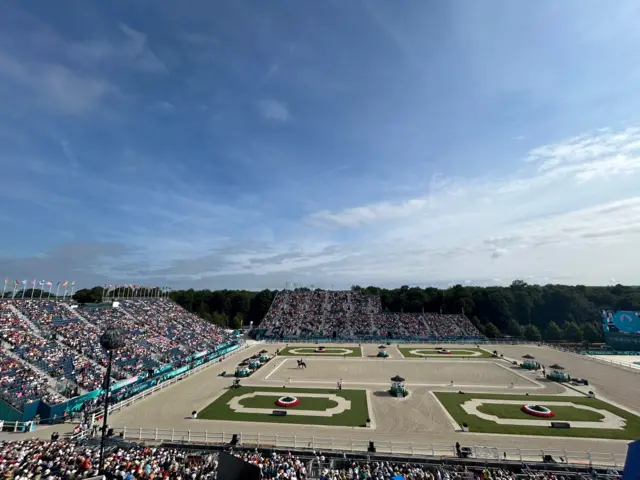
111, 339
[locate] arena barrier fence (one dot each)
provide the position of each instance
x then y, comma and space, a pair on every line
161, 386
409, 449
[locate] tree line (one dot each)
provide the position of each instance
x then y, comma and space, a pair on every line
534, 312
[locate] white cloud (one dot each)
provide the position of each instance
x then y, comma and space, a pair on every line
56, 86
274, 110
378, 212
553, 221
572, 212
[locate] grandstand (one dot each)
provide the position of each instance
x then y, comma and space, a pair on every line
352, 316
51, 360
622, 330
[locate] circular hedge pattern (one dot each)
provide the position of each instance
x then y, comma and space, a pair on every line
287, 401
538, 411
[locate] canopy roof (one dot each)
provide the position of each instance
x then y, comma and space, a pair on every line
397, 378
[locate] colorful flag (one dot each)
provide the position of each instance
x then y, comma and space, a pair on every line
17, 282
58, 284
64, 284
33, 282
24, 282
41, 282
49, 283
73, 283
6, 281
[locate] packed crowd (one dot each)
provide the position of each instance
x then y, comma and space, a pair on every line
19, 383
53, 344
317, 465
69, 460
44, 460
354, 315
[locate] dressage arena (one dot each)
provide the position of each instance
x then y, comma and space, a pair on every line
419, 417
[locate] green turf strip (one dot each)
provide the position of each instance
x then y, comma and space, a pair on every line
433, 353
562, 414
453, 401
331, 352
354, 417
306, 403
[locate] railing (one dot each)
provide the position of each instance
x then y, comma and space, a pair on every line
405, 449
145, 393
22, 426
595, 359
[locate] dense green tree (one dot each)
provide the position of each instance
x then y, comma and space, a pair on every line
552, 332
591, 334
532, 333
238, 320
491, 331
88, 295
514, 329
572, 332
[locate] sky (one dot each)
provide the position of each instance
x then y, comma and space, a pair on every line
247, 144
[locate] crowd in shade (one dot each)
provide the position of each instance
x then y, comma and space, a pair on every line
51, 349
292, 467
353, 315
70, 460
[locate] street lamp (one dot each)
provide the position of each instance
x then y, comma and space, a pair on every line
111, 339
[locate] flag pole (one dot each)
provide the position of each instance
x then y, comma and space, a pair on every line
24, 287
15, 286
5, 287
33, 287
57, 290
50, 287
73, 286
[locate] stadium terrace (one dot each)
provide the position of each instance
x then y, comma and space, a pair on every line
354, 316
52, 363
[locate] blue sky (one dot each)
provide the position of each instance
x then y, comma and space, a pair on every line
245, 144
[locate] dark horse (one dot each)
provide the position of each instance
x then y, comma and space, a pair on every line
301, 364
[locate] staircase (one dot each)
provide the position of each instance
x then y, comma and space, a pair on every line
53, 383
74, 311
25, 319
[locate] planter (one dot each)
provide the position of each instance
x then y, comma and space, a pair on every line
538, 411
287, 402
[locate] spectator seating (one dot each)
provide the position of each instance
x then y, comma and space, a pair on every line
71, 460
58, 344
352, 315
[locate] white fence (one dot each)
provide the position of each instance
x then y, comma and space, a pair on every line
408, 449
161, 386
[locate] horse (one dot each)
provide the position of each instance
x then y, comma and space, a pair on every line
301, 364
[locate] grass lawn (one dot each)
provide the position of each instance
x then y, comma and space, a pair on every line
433, 353
306, 403
563, 414
354, 417
453, 401
331, 352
